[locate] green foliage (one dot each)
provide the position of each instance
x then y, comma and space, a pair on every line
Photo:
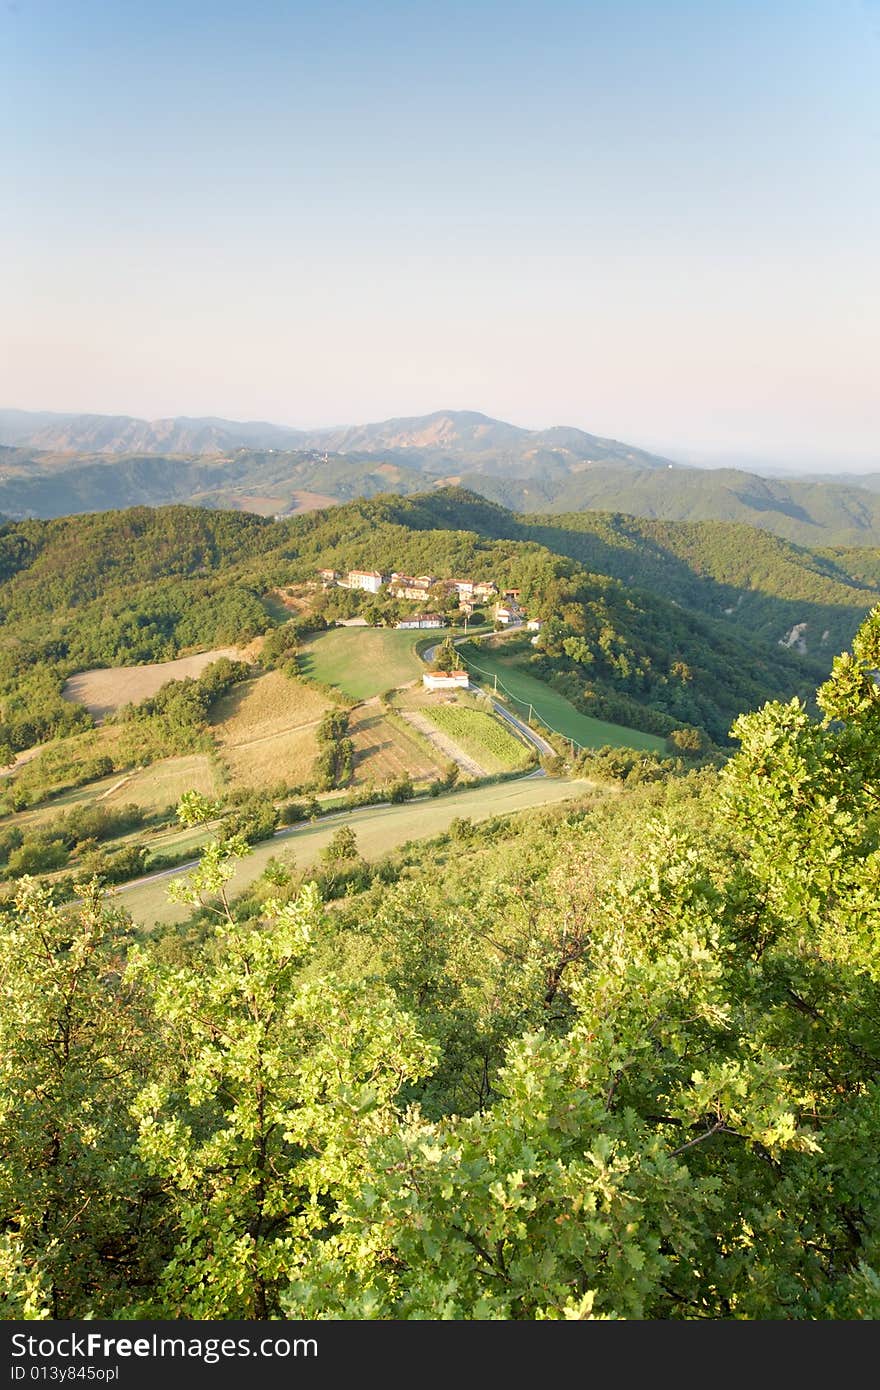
265, 1128
333, 766
71, 1046
615, 1061
342, 846
401, 790
446, 657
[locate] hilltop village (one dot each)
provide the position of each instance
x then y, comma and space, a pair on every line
465, 596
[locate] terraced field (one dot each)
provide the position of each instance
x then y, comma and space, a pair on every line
159, 787
155, 789
383, 752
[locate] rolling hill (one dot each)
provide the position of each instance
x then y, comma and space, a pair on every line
146, 585
59, 465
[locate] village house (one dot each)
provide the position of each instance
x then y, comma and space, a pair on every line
474, 589
445, 680
504, 614
534, 625
406, 586
423, 620
417, 588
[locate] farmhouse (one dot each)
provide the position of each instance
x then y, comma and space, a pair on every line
423, 620
505, 614
534, 625
328, 577
445, 680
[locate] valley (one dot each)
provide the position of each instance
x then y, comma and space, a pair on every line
509, 884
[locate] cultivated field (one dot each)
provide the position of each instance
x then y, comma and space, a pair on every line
383, 752
556, 712
363, 661
309, 502
161, 786
265, 730
446, 747
481, 736
378, 829
109, 688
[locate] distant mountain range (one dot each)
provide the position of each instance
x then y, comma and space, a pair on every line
446, 438
54, 465
123, 434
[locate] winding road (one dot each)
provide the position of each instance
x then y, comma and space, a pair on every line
536, 740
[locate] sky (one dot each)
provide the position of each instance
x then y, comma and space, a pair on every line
653, 219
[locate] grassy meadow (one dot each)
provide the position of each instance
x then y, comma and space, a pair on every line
362, 661
378, 829
549, 706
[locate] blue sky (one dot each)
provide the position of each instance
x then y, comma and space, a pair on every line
653, 220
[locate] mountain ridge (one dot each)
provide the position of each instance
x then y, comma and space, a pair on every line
560, 470
455, 434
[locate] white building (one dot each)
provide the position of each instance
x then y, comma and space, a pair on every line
534, 625
423, 620
445, 680
370, 580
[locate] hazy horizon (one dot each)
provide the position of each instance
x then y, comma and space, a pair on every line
803, 462
654, 222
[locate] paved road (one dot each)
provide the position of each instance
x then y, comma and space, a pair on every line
536, 740
378, 829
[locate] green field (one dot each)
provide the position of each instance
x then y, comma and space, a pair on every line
481, 736
378, 829
551, 708
362, 661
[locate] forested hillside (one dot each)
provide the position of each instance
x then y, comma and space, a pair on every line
809, 513
753, 581
610, 1062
